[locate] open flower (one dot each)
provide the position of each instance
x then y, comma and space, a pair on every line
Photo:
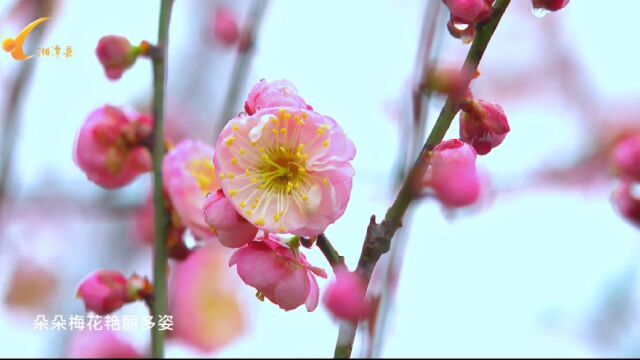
189, 175
286, 170
204, 300
278, 273
109, 147
279, 93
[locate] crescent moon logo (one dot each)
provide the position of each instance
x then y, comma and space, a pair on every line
15, 46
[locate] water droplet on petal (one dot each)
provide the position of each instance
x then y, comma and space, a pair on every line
540, 12
460, 26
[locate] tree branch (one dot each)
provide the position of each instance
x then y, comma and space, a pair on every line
160, 256
378, 237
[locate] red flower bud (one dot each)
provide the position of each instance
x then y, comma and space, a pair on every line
483, 125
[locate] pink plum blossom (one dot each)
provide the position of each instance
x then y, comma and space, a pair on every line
100, 344
469, 11
189, 175
550, 5
109, 147
286, 170
346, 297
453, 174
233, 230
278, 273
204, 300
625, 157
116, 55
281, 93
104, 292
483, 125
225, 26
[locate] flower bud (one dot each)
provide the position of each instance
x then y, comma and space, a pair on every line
469, 11
273, 94
109, 148
225, 26
483, 125
625, 157
104, 292
116, 55
278, 273
627, 202
453, 174
234, 231
550, 5
346, 298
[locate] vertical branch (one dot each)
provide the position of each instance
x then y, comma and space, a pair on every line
241, 65
10, 125
378, 238
160, 257
433, 28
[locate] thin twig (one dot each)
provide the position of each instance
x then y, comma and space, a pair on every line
378, 237
332, 255
429, 43
160, 256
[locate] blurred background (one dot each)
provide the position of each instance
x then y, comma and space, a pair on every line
542, 266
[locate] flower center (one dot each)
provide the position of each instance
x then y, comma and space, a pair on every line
204, 172
282, 170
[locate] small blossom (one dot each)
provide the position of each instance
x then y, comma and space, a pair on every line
116, 55
102, 344
109, 147
225, 26
483, 125
279, 273
550, 5
104, 292
205, 301
453, 174
346, 297
625, 157
274, 94
286, 170
233, 230
469, 11
189, 175
627, 201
